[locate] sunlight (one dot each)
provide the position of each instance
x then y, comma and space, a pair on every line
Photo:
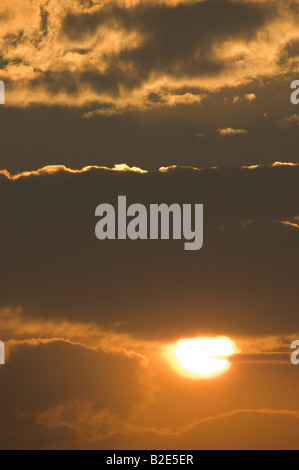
201, 357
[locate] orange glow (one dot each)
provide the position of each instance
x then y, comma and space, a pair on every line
201, 357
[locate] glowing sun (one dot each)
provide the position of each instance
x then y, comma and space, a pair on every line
201, 357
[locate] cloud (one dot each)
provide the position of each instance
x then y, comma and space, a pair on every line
150, 134
284, 164
123, 167
53, 374
289, 121
64, 202
18, 330
250, 97
229, 131
290, 50
289, 224
275, 164
54, 169
102, 426
121, 52
86, 397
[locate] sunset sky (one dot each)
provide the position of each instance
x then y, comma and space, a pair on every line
166, 101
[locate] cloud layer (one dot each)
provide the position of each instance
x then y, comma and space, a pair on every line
141, 54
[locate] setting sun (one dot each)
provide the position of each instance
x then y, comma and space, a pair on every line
201, 357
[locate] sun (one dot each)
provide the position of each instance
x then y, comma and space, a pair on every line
201, 357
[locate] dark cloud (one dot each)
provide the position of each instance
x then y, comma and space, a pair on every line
44, 17
14, 39
3, 62
78, 26
289, 51
5, 15
86, 3
149, 138
106, 83
81, 51
54, 388
179, 40
176, 39
56, 374
55, 83
50, 222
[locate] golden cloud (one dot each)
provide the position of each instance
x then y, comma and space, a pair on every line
229, 131
77, 54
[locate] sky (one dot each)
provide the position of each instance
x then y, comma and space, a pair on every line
173, 101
